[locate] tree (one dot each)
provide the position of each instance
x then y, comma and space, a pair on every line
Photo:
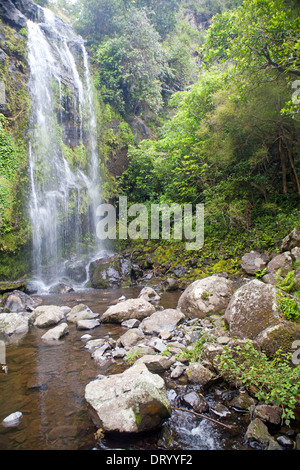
162, 14
261, 37
259, 41
131, 65
96, 18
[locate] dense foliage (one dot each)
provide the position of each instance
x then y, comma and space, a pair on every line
219, 80
13, 158
274, 380
233, 139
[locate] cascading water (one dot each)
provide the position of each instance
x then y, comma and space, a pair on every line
63, 158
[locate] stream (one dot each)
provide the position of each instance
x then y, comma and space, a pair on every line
46, 383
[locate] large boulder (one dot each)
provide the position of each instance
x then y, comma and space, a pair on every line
267, 413
131, 308
258, 433
206, 297
8, 286
76, 270
114, 271
11, 15
284, 262
81, 312
131, 402
13, 323
253, 262
252, 309
17, 301
149, 294
56, 333
46, 315
278, 336
162, 320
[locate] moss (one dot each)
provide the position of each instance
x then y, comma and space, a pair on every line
205, 295
11, 286
138, 418
14, 43
76, 157
14, 265
14, 231
230, 266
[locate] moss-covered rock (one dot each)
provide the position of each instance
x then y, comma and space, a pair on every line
14, 232
110, 272
280, 336
252, 309
11, 286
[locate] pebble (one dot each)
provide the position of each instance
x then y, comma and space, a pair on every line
285, 442
177, 372
221, 410
94, 344
86, 337
223, 340
87, 324
119, 352
157, 344
176, 344
13, 419
132, 323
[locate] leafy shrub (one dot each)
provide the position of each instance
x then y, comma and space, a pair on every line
288, 283
274, 380
195, 353
133, 356
288, 307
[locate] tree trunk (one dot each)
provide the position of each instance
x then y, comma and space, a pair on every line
293, 168
283, 167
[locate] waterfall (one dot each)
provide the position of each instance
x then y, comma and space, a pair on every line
65, 183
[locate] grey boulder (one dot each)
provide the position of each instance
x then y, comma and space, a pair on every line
126, 310
162, 320
56, 333
13, 323
131, 402
46, 315
205, 297
253, 262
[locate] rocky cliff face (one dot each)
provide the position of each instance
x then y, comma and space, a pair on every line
15, 12
14, 105
49, 139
